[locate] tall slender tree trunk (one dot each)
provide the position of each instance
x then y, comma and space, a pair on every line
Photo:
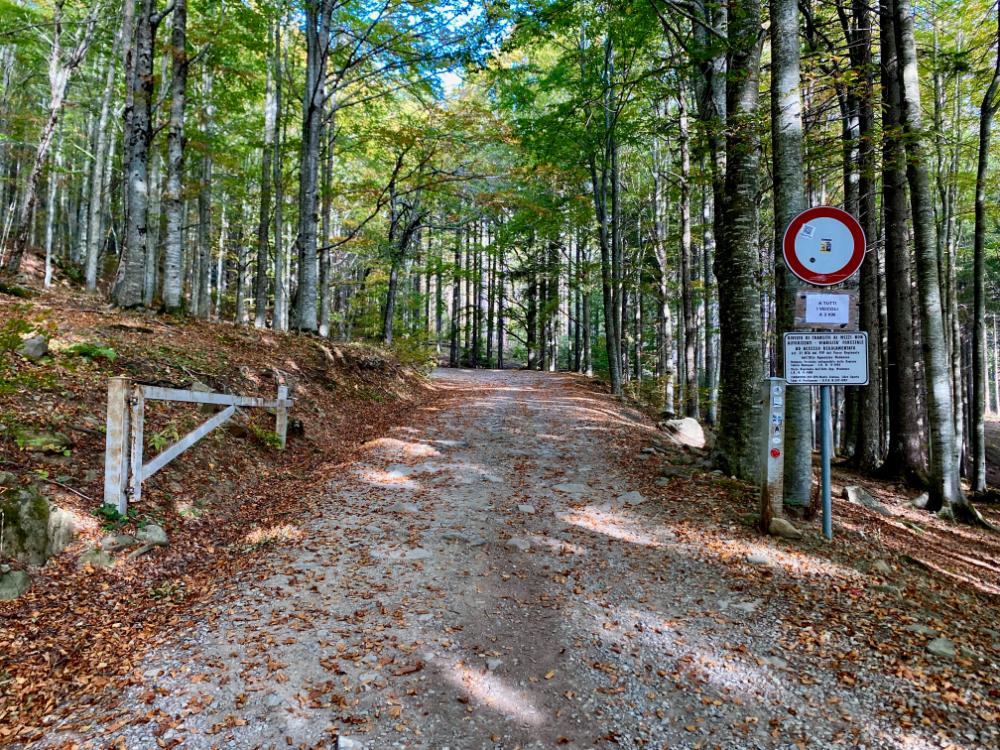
868, 443
691, 391
264, 217
204, 278
945, 490
55, 170
789, 200
281, 280
95, 202
456, 301
317, 30
736, 262
905, 456
173, 252
130, 279
987, 110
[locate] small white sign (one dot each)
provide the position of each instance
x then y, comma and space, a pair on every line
828, 309
826, 358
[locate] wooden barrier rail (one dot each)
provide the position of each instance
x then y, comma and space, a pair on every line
124, 470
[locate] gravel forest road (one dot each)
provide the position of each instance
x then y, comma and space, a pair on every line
495, 579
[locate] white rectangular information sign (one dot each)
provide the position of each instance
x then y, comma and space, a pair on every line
826, 358
828, 309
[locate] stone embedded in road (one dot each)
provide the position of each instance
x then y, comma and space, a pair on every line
758, 558
632, 498
405, 508
526, 508
465, 537
572, 488
521, 544
920, 629
418, 554
942, 647
493, 664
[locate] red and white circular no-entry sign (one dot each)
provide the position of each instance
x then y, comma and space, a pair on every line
824, 246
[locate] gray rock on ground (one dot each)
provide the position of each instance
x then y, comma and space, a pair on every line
34, 529
13, 583
95, 558
153, 534
632, 498
686, 431
859, 496
116, 542
882, 568
33, 348
783, 528
942, 647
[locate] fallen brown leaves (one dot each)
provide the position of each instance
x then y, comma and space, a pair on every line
79, 631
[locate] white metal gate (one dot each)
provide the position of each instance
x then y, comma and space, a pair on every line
124, 470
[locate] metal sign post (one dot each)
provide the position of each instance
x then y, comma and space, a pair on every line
825, 246
826, 425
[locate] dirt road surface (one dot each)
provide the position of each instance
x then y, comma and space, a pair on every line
497, 579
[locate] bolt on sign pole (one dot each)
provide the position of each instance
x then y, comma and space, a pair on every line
825, 246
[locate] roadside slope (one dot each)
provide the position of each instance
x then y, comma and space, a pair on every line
79, 629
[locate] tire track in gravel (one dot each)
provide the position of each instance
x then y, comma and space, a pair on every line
486, 581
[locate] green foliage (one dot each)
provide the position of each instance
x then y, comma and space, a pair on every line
267, 438
12, 290
416, 351
92, 351
12, 331
160, 440
112, 519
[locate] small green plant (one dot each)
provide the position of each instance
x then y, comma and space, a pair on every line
415, 351
12, 290
266, 437
91, 351
160, 440
113, 520
173, 590
12, 331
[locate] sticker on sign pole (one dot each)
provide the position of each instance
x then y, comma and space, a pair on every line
824, 246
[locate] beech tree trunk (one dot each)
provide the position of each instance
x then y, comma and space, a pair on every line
905, 456
789, 200
60, 72
173, 255
987, 110
130, 280
317, 31
736, 261
944, 488
95, 205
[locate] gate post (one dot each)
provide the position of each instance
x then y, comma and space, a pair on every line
281, 415
137, 404
116, 444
